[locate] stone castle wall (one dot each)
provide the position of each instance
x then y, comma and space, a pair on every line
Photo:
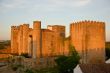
47, 43
88, 37
59, 36
25, 38
38, 42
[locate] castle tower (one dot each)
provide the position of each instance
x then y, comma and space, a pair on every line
25, 37
88, 37
20, 40
36, 39
14, 39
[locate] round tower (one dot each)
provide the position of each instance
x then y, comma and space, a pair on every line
36, 39
88, 37
95, 42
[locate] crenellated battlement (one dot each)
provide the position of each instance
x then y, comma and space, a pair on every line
25, 25
15, 27
88, 38
88, 21
37, 25
37, 21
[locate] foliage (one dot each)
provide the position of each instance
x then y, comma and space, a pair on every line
28, 71
107, 53
25, 55
15, 67
47, 70
66, 64
3, 44
15, 54
16, 64
42, 70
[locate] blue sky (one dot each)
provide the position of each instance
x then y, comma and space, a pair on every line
50, 12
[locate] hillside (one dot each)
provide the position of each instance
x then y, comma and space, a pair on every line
4, 44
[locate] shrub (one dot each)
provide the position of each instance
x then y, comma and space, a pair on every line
25, 55
47, 70
29, 71
15, 67
66, 64
107, 53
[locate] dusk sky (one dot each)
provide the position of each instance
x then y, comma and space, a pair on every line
50, 12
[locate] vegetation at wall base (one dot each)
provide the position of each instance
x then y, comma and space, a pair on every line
66, 64
25, 55
48, 70
107, 51
3, 44
28, 71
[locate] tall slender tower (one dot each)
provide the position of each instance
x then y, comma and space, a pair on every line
36, 39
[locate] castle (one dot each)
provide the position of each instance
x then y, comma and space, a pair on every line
88, 38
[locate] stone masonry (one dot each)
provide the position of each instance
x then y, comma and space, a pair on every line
88, 38
37, 42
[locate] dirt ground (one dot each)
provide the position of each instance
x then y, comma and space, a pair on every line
6, 69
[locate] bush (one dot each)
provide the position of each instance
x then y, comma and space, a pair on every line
47, 70
15, 63
66, 64
29, 71
107, 53
15, 67
25, 55
3, 44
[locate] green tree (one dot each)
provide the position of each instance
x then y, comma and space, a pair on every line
66, 64
107, 53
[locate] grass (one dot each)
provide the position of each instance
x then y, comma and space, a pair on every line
47, 70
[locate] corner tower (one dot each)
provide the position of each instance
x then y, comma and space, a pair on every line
88, 37
14, 39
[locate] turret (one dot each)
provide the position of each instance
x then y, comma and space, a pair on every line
36, 39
